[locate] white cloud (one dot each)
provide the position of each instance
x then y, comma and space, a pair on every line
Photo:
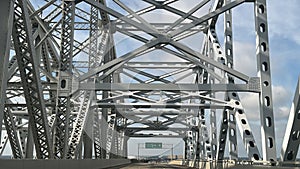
251, 105
284, 19
281, 99
245, 58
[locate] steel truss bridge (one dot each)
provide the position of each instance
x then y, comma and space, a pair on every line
69, 91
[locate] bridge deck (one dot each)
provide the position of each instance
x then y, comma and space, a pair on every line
148, 166
171, 166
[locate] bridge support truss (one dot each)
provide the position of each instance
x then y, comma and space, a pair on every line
70, 88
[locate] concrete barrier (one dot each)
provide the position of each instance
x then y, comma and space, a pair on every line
61, 164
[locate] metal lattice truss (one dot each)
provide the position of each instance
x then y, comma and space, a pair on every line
68, 86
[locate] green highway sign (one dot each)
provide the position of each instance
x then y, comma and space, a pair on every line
153, 145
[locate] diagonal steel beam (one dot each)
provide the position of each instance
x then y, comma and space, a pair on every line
118, 60
207, 17
221, 66
6, 16
122, 17
28, 67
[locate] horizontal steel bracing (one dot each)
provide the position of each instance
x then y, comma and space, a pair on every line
169, 87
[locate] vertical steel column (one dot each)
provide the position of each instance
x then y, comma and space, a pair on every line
201, 121
232, 132
107, 57
88, 131
109, 125
88, 144
94, 61
53, 53
121, 122
264, 72
213, 135
98, 147
109, 114
205, 80
63, 101
232, 140
213, 120
223, 135
30, 77
94, 58
81, 118
237, 116
203, 130
125, 150
79, 154
99, 131
215, 48
23, 135
3, 143
115, 145
192, 140
201, 136
291, 139
12, 134
47, 66
185, 155
6, 16
111, 133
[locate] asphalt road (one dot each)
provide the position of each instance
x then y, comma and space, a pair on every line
167, 166
149, 166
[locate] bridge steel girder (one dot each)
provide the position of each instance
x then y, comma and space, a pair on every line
63, 100
228, 48
73, 95
28, 67
6, 16
264, 72
11, 129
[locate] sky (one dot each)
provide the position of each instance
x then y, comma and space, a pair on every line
284, 41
